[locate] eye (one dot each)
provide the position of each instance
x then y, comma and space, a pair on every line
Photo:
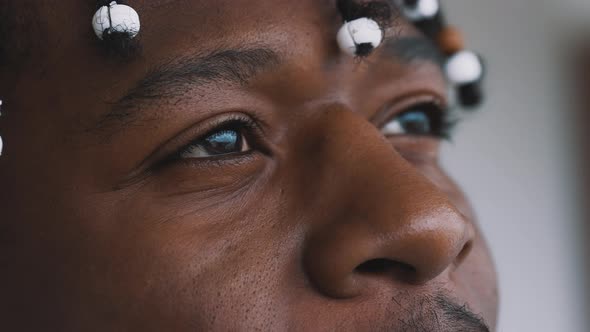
426, 119
227, 139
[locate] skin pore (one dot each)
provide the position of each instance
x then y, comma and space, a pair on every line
241, 173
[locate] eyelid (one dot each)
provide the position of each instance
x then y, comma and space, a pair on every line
244, 125
388, 112
162, 154
243, 129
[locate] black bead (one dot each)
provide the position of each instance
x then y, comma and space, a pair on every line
364, 49
433, 26
470, 95
411, 3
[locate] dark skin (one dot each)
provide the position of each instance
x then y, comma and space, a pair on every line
317, 221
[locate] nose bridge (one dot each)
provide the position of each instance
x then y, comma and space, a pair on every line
375, 208
354, 163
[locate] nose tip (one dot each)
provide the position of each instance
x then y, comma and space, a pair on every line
344, 261
428, 246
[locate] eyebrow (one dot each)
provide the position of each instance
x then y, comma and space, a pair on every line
168, 80
225, 66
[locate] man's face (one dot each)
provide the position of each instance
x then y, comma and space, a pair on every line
240, 174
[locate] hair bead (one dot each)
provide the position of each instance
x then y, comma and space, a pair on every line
1, 142
418, 10
360, 37
464, 67
450, 40
465, 70
363, 27
470, 95
116, 18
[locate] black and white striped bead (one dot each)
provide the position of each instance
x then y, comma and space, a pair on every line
116, 18
360, 37
419, 10
1, 142
465, 70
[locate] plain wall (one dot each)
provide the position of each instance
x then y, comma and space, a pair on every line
517, 159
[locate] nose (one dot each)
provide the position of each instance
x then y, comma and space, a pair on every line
377, 220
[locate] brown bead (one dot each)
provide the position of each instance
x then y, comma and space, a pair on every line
450, 40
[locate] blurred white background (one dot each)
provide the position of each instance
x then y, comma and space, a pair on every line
516, 159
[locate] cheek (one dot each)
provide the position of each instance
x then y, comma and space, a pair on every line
476, 275
215, 268
478, 282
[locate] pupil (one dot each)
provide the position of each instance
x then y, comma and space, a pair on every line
415, 122
223, 142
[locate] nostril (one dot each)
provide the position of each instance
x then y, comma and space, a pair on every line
387, 267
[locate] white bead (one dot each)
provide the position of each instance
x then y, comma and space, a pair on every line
360, 31
1, 143
123, 18
464, 67
424, 9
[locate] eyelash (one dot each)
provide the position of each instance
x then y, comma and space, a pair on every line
441, 121
242, 125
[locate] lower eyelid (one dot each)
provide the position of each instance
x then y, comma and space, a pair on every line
228, 160
186, 154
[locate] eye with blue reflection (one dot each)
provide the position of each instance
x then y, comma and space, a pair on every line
426, 119
218, 143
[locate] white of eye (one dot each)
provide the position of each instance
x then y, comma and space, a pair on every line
393, 127
195, 151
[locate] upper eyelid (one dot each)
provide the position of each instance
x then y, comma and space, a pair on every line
182, 139
222, 123
400, 104
222, 126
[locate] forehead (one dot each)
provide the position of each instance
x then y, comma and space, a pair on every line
78, 77
201, 24
66, 24
70, 55
204, 14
